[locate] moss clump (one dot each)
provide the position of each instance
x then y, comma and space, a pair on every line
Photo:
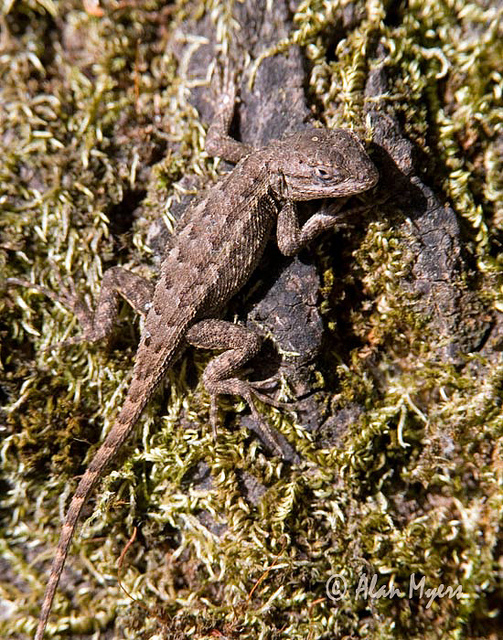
97, 139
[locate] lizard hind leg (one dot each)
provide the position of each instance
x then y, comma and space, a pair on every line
219, 378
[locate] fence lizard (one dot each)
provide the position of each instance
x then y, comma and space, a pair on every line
218, 245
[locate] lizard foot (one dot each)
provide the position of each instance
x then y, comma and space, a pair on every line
96, 324
67, 297
248, 391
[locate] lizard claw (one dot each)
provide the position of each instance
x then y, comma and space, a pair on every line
266, 399
266, 383
225, 74
270, 435
71, 301
248, 391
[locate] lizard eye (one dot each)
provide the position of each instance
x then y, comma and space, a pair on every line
325, 175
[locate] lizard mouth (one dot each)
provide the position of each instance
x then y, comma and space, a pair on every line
369, 182
306, 189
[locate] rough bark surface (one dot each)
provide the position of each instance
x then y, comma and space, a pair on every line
389, 331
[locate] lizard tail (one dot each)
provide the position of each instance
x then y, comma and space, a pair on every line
137, 397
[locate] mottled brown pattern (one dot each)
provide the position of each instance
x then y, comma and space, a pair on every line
216, 249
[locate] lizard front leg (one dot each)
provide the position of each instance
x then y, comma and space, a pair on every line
98, 324
291, 237
219, 377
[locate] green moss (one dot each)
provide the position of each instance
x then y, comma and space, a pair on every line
415, 487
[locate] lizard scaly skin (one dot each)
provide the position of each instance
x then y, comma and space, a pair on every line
217, 247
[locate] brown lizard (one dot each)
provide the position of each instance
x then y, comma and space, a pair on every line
218, 245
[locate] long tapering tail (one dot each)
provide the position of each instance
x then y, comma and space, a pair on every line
144, 382
121, 429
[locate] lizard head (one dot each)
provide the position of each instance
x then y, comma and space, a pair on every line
324, 163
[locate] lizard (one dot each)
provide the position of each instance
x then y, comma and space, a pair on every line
220, 241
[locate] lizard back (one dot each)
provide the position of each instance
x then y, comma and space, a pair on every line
219, 243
